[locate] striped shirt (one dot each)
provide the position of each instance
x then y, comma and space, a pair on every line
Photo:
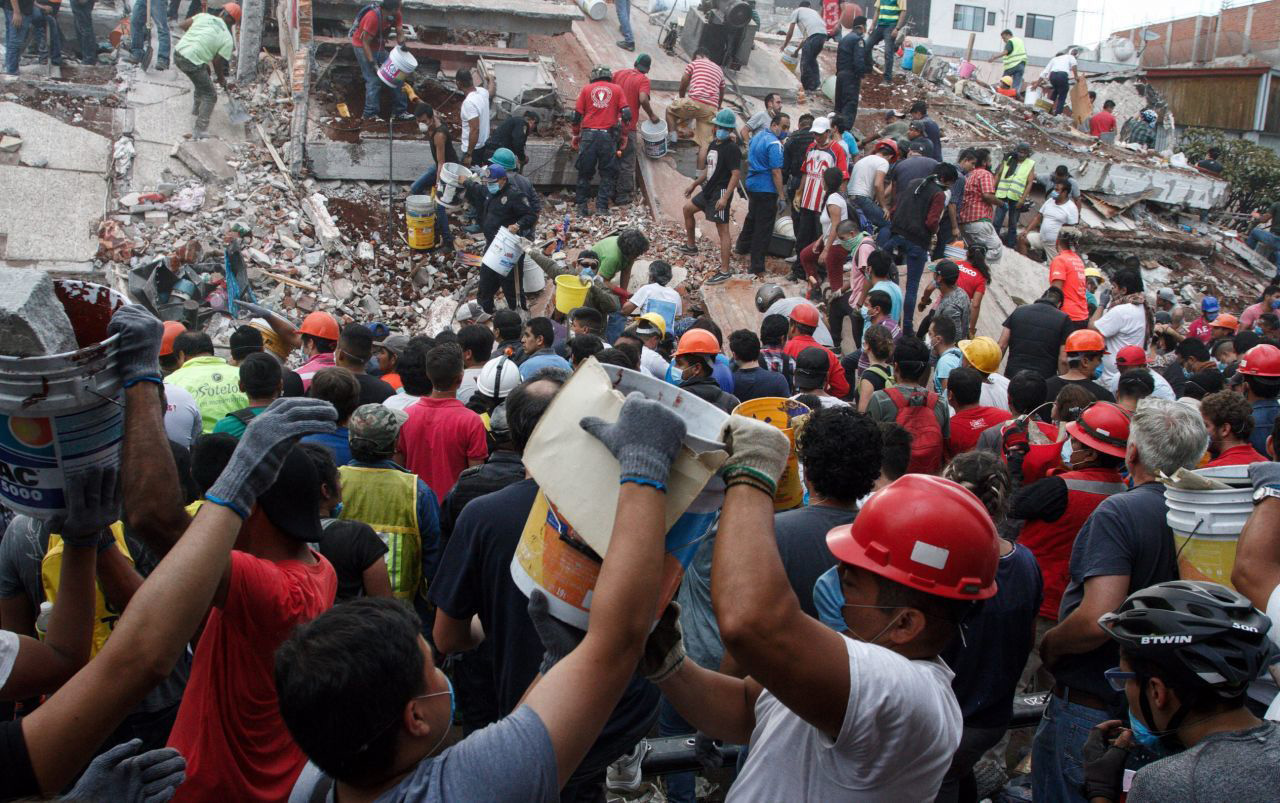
972, 207
816, 161
705, 81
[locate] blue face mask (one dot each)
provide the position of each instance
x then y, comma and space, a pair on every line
783, 135
1097, 372
1066, 452
336, 513
374, 365
722, 133
492, 188
828, 598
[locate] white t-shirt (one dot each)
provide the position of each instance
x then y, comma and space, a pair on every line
995, 392
1163, 390
651, 363
900, 731
837, 199
9, 645
1053, 216
469, 378
656, 292
182, 422
1273, 613
1064, 63
863, 180
475, 105
809, 22
1122, 325
826, 400
402, 401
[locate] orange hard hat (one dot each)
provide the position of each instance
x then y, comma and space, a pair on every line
926, 533
1103, 427
1085, 340
1263, 360
1226, 321
805, 315
319, 324
171, 331
233, 11
697, 341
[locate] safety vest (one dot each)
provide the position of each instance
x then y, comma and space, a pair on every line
214, 385
387, 500
890, 11
104, 616
1017, 55
1011, 185
1051, 541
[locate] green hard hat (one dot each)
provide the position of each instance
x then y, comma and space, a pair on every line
504, 157
726, 119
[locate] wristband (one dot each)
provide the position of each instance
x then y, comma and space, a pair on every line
151, 378
229, 505
734, 475
644, 481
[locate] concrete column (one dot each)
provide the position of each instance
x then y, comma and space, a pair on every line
1248, 30
250, 44
1195, 41
1168, 42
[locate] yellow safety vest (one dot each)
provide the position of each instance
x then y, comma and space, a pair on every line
889, 12
387, 500
1010, 186
1017, 54
104, 616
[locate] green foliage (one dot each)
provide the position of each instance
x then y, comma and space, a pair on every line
1253, 170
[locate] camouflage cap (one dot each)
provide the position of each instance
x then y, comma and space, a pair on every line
375, 428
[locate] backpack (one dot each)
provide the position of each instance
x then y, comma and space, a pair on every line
916, 415
355, 26
244, 415
880, 372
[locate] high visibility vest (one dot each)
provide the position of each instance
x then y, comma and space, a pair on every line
1010, 186
1017, 54
214, 385
104, 616
387, 500
890, 11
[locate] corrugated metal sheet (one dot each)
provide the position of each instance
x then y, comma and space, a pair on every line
1211, 101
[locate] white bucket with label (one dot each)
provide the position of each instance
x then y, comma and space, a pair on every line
504, 252
450, 180
398, 66
63, 412
654, 137
595, 9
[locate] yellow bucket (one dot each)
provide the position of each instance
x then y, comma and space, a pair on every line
779, 412
570, 293
420, 219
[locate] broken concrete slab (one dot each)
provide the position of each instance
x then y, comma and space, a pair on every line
50, 215
32, 318
208, 158
153, 164
520, 17
61, 146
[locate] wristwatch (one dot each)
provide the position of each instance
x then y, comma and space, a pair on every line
1265, 492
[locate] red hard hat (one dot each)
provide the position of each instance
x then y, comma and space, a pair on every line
319, 324
233, 11
1085, 340
1261, 360
171, 331
805, 315
1131, 356
926, 533
697, 341
1103, 427
886, 142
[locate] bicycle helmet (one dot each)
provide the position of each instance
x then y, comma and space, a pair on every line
767, 295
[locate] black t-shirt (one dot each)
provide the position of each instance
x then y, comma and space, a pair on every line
293, 385
1055, 384
756, 383
373, 390
500, 470
352, 547
474, 578
802, 543
722, 159
17, 778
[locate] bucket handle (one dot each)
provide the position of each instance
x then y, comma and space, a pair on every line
1190, 535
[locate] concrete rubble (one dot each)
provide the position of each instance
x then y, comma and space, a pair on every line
31, 317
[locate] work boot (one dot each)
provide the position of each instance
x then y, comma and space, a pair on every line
583, 211
403, 116
625, 45
161, 66
602, 209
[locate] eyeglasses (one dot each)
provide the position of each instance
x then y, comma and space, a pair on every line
1117, 677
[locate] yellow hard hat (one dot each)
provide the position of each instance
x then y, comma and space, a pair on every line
983, 353
270, 340
659, 322
1094, 273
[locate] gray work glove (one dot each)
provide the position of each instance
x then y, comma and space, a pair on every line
558, 638
664, 651
256, 462
138, 351
757, 452
1264, 473
124, 775
93, 499
645, 439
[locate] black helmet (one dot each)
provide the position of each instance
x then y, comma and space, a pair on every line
767, 295
601, 73
1205, 635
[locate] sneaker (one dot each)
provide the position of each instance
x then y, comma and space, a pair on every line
720, 276
688, 249
625, 45
402, 116
624, 775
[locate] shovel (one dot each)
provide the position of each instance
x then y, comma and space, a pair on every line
146, 38
236, 110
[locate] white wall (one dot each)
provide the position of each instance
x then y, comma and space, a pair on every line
942, 30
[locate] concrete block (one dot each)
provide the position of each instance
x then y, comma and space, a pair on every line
31, 316
208, 158
156, 217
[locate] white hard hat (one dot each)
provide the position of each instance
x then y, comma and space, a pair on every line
498, 377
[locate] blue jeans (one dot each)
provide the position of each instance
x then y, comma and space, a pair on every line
1007, 209
809, 52
82, 16
680, 785
424, 183
1016, 74
877, 35
14, 36
1057, 774
915, 257
623, 8
138, 28
1261, 235
373, 85
871, 211
44, 24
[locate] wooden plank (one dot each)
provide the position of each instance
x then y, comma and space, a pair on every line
275, 156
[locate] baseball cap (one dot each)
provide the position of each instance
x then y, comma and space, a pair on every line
643, 62
376, 427
171, 331
805, 315
1209, 306
1131, 357
496, 172
471, 311
292, 503
821, 125
947, 270
1166, 294
378, 329
811, 368
396, 344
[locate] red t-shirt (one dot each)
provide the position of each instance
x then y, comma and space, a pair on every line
1101, 123
633, 82
1200, 330
970, 281
229, 726
1241, 455
837, 382
439, 439
601, 103
1068, 267
968, 425
368, 28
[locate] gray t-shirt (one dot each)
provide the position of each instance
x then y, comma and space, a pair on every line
802, 543
21, 551
955, 305
1242, 767
702, 640
512, 759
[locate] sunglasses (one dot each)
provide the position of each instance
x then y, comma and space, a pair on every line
1117, 677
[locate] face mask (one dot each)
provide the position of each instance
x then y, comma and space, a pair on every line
1066, 452
828, 598
492, 188
849, 244
1144, 735
722, 134
336, 513
1097, 372
452, 711
374, 365
783, 135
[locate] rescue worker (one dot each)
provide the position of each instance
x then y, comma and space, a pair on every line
207, 42
373, 23
501, 205
598, 118
890, 14
319, 333
1260, 367
1013, 55
695, 355
851, 65
1013, 183
635, 88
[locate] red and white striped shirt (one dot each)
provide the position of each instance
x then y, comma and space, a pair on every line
816, 161
705, 81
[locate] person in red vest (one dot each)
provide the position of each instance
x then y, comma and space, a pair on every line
1055, 508
1229, 418
804, 322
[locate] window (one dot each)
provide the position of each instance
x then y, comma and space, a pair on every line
991, 18
1039, 27
1019, 22
969, 18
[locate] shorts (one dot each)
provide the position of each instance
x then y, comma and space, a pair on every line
708, 206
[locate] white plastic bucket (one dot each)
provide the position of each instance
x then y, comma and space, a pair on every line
504, 252
63, 412
1206, 524
829, 87
595, 9
784, 227
654, 136
791, 58
399, 64
450, 180
532, 279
